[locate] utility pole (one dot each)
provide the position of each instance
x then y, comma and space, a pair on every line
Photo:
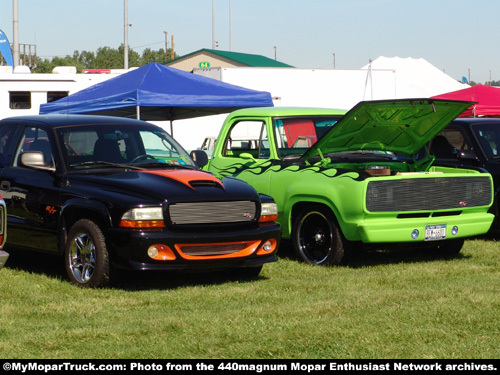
166, 46
15, 41
125, 36
230, 37
213, 25
172, 49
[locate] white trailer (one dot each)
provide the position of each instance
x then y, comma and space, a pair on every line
22, 92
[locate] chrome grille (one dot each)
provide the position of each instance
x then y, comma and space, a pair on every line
212, 212
213, 249
428, 194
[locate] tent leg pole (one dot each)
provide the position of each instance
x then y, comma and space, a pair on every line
171, 128
138, 112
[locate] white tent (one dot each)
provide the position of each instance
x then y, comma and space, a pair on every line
414, 78
384, 78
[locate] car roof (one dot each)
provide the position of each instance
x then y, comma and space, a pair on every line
64, 120
287, 111
476, 120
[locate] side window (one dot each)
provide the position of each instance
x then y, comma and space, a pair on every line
247, 137
294, 135
457, 139
34, 139
489, 139
448, 143
6, 133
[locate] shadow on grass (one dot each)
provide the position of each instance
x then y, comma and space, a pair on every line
53, 267
38, 263
359, 255
163, 280
395, 255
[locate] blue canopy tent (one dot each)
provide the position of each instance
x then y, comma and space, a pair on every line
156, 92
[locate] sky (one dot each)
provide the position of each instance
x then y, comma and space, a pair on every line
460, 37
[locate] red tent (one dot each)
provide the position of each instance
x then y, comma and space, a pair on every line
487, 98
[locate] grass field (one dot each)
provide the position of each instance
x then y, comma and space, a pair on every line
387, 304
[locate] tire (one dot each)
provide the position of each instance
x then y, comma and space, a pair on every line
86, 256
450, 248
316, 237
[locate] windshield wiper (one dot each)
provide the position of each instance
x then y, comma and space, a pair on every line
101, 162
164, 165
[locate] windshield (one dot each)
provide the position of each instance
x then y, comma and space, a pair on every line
488, 136
295, 135
100, 146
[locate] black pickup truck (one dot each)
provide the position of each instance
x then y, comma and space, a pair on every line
110, 193
472, 142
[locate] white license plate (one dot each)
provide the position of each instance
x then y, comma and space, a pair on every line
435, 232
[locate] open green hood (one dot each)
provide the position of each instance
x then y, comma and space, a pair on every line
400, 126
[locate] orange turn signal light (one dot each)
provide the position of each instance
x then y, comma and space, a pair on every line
142, 224
268, 219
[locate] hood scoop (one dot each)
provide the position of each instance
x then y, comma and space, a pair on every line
191, 178
204, 183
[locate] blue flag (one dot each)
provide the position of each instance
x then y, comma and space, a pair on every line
5, 49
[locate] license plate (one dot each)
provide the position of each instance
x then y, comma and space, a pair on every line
435, 232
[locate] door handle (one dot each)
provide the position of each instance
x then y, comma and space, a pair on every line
5, 185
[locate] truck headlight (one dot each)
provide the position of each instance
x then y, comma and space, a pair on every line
143, 218
269, 213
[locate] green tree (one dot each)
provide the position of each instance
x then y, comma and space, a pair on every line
103, 58
149, 56
108, 58
43, 66
85, 58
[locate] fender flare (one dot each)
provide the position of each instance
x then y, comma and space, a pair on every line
89, 207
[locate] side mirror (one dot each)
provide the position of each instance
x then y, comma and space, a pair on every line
199, 157
247, 156
467, 155
35, 160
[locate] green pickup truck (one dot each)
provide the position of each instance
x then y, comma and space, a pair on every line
342, 179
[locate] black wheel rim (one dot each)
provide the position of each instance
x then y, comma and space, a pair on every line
315, 237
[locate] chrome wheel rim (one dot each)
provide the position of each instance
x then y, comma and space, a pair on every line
82, 256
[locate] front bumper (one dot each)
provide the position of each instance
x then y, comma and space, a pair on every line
3, 258
129, 249
384, 230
